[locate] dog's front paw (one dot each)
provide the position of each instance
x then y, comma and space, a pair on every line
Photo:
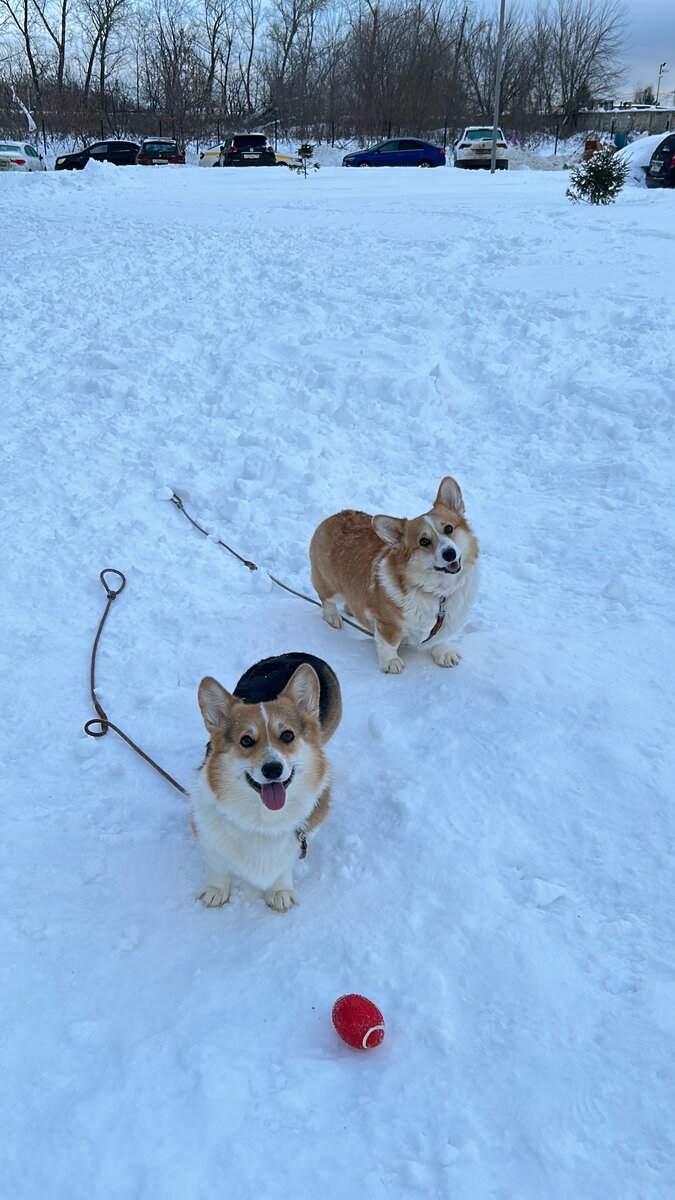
394, 666
445, 656
213, 896
281, 901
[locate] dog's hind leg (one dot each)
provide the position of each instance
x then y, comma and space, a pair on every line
330, 613
329, 600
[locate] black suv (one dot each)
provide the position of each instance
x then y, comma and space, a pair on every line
122, 154
661, 169
247, 150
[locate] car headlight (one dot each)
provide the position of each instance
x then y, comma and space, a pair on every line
60, 160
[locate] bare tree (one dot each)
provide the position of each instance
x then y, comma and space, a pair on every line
588, 41
57, 30
102, 19
20, 16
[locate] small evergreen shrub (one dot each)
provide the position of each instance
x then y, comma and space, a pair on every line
305, 153
599, 180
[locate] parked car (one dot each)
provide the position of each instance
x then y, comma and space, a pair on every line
20, 156
474, 148
121, 154
661, 169
158, 152
397, 152
287, 160
247, 150
210, 157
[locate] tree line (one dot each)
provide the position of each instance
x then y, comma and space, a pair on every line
311, 68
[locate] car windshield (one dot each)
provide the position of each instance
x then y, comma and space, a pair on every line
160, 148
479, 135
244, 141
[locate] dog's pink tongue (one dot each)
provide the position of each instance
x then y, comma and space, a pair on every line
273, 795
454, 567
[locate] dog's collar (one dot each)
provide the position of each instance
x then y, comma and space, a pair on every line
439, 619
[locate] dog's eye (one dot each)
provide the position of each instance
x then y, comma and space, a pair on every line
448, 529
287, 736
246, 741
424, 541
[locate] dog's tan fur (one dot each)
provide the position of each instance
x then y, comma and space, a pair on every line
238, 834
392, 584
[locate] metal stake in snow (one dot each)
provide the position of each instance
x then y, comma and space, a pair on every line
498, 88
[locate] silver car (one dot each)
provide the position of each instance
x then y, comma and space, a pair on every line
20, 156
474, 148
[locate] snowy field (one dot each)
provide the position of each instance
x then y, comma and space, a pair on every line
497, 870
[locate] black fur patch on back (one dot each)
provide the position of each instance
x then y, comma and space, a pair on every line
266, 679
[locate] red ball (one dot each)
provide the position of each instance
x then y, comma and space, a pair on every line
358, 1021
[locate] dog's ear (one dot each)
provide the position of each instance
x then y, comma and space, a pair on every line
450, 494
214, 702
390, 529
304, 689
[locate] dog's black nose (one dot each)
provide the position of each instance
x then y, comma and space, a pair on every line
449, 554
272, 770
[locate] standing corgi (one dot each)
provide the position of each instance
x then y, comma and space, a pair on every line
410, 582
265, 781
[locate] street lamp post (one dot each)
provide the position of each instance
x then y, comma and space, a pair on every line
498, 86
658, 83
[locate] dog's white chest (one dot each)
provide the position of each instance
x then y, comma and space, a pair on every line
259, 858
421, 611
419, 617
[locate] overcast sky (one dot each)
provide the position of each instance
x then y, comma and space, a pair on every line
650, 40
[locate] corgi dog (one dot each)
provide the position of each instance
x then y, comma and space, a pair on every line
265, 782
407, 581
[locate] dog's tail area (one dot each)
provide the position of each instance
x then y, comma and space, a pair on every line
266, 679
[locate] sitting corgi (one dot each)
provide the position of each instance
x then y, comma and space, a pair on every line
265, 782
408, 582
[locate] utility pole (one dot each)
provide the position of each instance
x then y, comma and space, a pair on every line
658, 83
498, 86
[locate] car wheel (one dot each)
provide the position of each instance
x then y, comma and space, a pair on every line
363, 164
425, 163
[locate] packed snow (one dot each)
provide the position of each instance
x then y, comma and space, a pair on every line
496, 873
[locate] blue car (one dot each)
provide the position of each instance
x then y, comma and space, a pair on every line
397, 152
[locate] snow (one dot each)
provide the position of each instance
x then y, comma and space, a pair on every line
496, 873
